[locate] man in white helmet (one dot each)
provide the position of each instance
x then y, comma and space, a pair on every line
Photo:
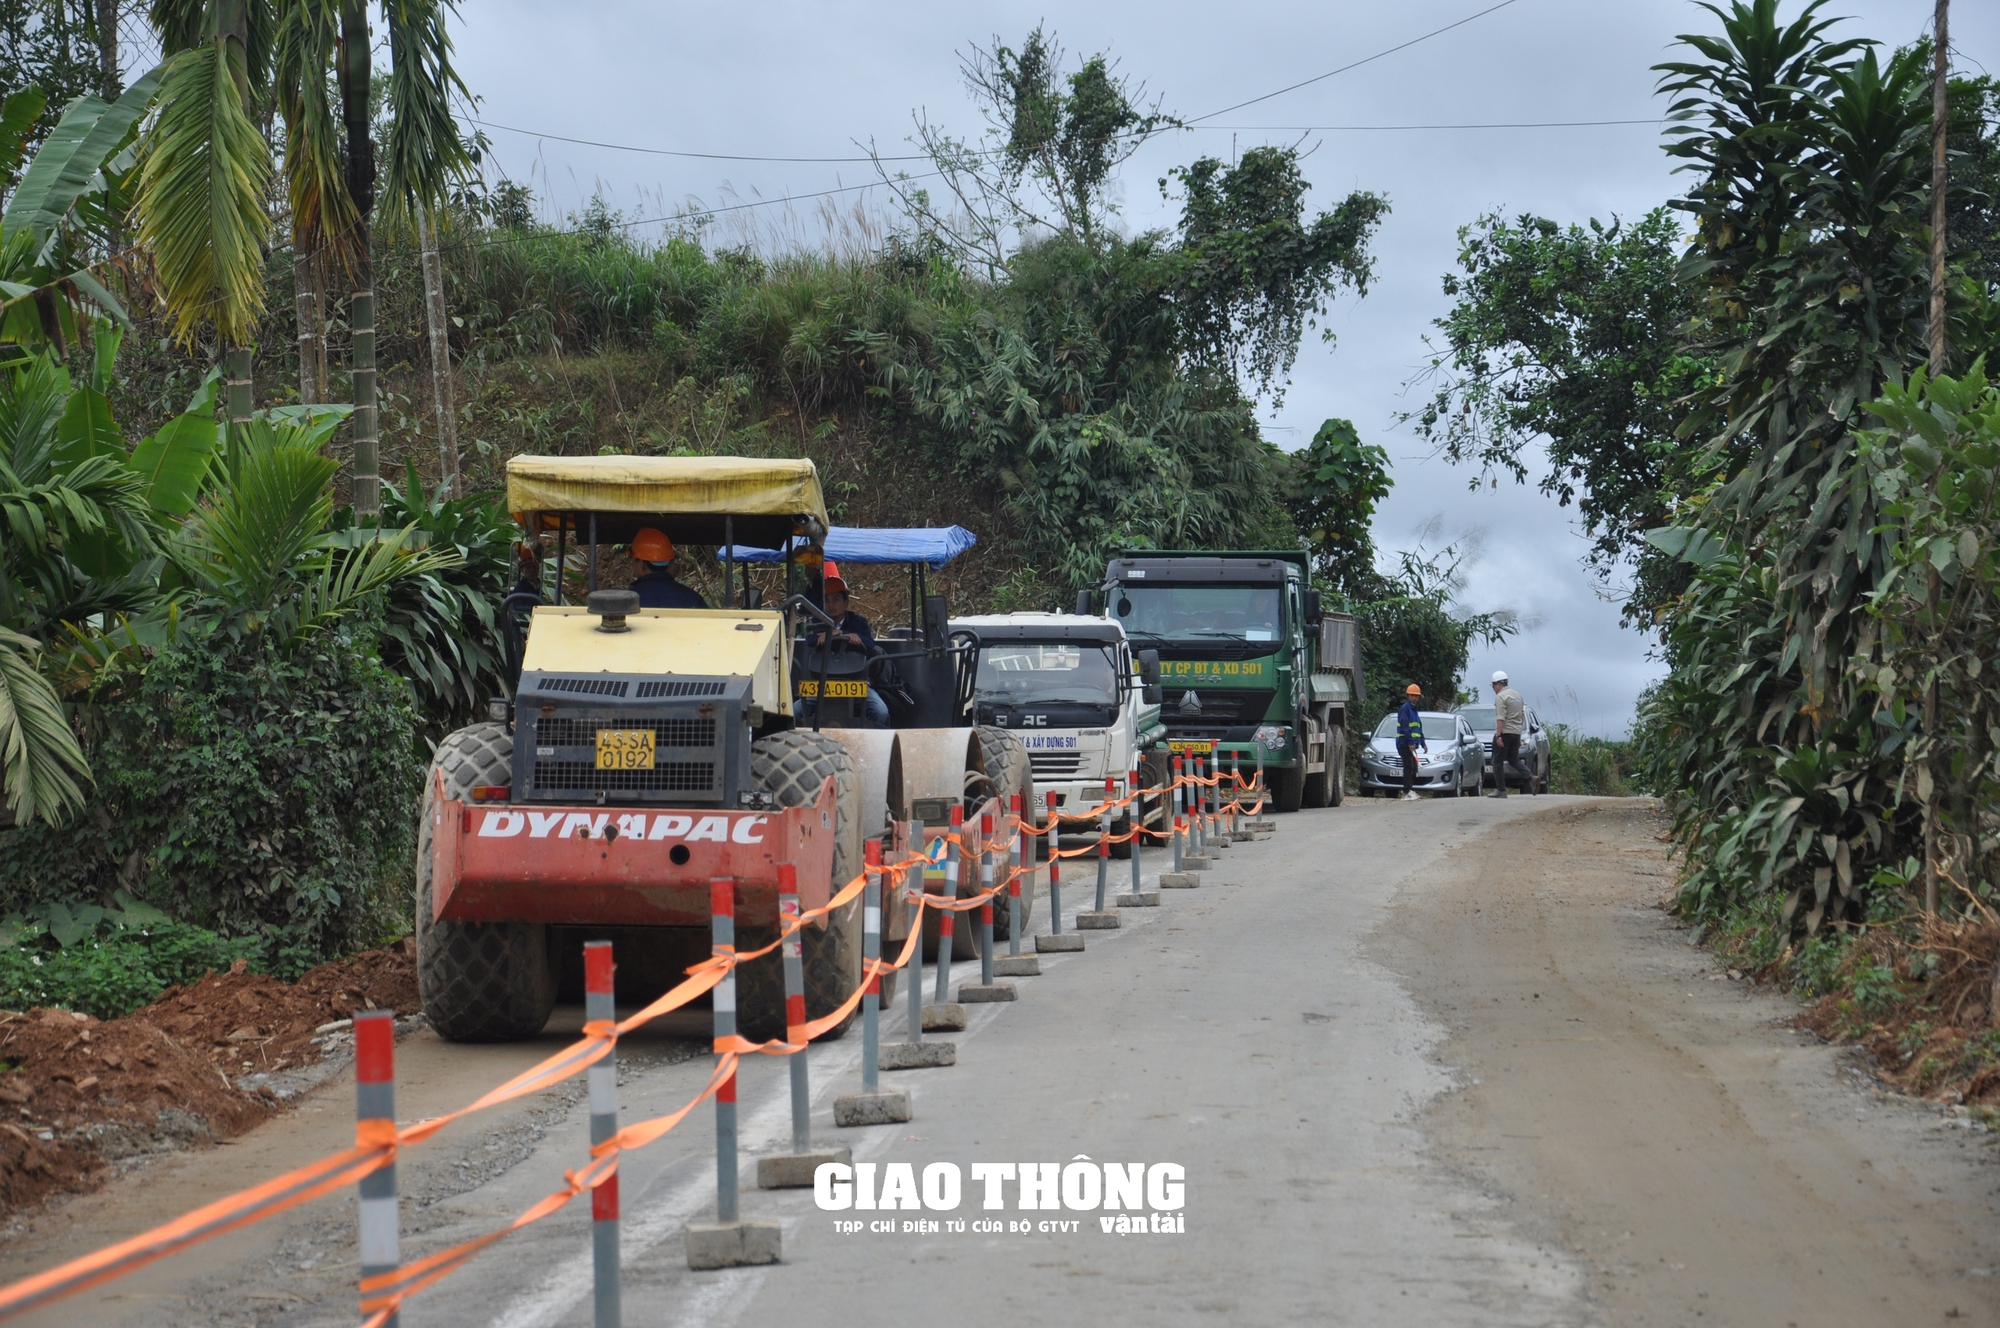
1510, 720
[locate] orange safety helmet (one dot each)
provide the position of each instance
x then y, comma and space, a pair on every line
833, 578
652, 546
1414, 690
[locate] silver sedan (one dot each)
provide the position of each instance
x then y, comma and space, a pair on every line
1454, 763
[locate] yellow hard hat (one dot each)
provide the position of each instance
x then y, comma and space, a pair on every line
652, 546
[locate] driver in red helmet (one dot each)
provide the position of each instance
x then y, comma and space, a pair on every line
853, 629
656, 586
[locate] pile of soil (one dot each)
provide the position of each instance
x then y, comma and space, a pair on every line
1934, 1030
80, 1093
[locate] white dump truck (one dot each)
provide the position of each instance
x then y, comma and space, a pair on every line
1082, 703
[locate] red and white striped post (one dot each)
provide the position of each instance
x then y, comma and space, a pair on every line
375, 1113
1024, 862
946, 915
1104, 840
600, 1007
1055, 869
795, 1006
871, 951
986, 906
722, 923
1180, 802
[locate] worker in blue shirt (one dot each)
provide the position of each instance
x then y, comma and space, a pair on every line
657, 586
1410, 739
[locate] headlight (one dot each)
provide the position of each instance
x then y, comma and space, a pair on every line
1273, 737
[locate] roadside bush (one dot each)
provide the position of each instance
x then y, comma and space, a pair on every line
114, 970
245, 792
1587, 765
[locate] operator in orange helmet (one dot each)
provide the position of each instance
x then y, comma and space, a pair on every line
656, 586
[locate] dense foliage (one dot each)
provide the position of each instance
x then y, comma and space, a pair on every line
250, 790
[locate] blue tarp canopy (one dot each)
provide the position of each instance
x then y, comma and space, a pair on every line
933, 546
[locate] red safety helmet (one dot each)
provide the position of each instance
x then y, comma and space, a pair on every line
833, 580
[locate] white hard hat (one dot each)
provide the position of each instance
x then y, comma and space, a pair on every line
1499, 675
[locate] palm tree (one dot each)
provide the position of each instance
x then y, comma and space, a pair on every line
202, 177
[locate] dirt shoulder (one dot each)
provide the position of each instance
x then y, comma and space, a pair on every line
1706, 1163
206, 1062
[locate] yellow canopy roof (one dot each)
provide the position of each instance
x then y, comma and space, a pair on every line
687, 497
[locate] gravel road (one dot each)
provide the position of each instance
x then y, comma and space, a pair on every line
1441, 1063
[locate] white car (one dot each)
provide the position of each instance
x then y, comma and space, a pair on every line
1454, 763
1534, 744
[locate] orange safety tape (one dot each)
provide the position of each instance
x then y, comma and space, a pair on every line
274, 1196
295, 1187
384, 1293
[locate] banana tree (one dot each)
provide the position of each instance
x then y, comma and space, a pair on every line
205, 164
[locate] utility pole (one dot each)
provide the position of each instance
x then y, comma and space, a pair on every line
1940, 122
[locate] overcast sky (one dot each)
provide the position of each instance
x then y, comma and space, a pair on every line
789, 79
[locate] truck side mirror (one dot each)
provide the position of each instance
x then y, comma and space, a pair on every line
1083, 606
1153, 694
1312, 608
1149, 667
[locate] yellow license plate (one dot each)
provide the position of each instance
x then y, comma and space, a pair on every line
835, 687
624, 749
1191, 745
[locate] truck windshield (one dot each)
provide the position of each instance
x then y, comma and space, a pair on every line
1028, 673
1198, 613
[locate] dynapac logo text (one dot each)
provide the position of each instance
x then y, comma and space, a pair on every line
629, 825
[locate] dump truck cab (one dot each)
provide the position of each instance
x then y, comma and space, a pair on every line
1082, 701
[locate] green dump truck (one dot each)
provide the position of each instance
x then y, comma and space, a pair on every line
1247, 661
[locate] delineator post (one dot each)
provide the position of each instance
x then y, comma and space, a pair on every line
1056, 942
795, 1169
727, 1242
871, 1106
913, 1053
600, 1007
1019, 862
375, 1111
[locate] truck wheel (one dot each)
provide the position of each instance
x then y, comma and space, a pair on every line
1007, 765
791, 766
1288, 787
479, 981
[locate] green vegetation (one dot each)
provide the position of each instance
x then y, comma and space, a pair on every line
110, 961
1745, 419
1597, 767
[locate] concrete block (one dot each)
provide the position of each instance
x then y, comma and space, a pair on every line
873, 1108
980, 993
1180, 880
1140, 899
1194, 862
1105, 921
1018, 966
1067, 943
732, 1244
794, 1171
1219, 841
947, 1018
916, 1055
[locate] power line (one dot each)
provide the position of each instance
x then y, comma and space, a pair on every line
1521, 124
1319, 78
674, 152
